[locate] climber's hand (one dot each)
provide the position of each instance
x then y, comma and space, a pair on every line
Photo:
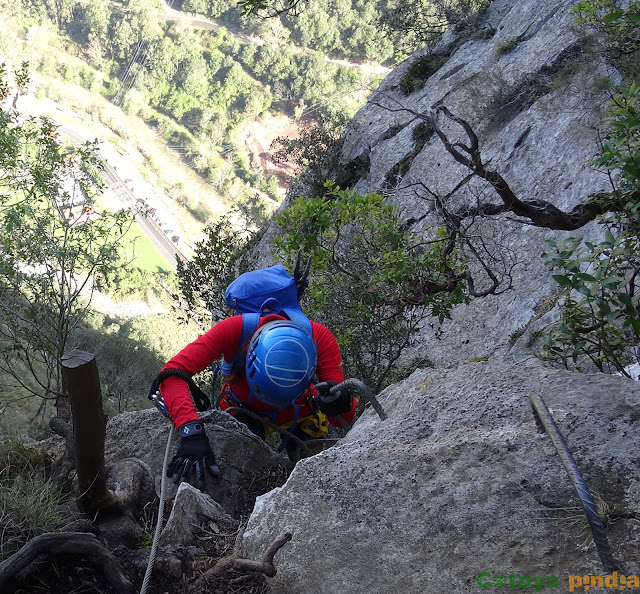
194, 453
331, 402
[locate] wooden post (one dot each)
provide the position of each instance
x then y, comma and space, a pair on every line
80, 375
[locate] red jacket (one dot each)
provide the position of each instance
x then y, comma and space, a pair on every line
223, 340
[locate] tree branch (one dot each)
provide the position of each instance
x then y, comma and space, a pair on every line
541, 213
234, 562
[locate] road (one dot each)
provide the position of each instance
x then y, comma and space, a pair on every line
174, 15
160, 241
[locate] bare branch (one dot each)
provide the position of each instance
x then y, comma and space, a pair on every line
234, 562
540, 213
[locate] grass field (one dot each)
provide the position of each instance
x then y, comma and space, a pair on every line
140, 248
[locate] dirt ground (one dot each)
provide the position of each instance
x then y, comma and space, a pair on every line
258, 138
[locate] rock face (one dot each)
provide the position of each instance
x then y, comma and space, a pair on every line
518, 77
249, 467
457, 482
517, 73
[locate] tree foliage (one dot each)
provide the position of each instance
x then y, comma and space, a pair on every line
422, 22
599, 280
618, 25
373, 282
52, 244
599, 299
191, 84
315, 152
222, 255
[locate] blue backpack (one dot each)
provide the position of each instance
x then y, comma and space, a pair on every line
259, 293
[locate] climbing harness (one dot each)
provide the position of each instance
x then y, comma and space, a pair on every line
544, 422
266, 422
304, 444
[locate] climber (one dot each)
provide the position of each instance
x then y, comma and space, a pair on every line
271, 357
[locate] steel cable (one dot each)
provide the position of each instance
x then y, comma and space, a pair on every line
545, 422
364, 389
156, 536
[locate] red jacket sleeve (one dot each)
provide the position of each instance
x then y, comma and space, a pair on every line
329, 367
221, 340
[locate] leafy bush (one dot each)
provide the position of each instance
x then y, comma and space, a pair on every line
600, 284
417, 23
508, 45
368, 271
419, 72
618, 22
315, 152
218, 259
599, 309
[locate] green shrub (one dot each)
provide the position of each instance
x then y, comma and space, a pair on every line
371, 277
508, 45
618, 24
87, 77
67, 72
600, 289
27, 497
48, 65
393, 130
419, 72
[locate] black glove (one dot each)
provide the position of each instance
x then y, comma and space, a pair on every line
333, 403
194, 453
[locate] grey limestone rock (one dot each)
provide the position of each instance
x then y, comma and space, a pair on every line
249, 466
457, 482
191, 508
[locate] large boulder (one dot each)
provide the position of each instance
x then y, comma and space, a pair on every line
249, 466
457, 482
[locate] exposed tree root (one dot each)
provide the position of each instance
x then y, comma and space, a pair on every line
234, 562
55, 544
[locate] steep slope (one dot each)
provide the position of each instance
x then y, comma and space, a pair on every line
457, 484
519, 76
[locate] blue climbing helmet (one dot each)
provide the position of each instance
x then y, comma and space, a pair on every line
281, 361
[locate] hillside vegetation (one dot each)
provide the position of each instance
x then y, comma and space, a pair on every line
195, 87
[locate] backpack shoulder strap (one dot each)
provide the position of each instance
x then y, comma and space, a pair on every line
297, 317
250, 323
